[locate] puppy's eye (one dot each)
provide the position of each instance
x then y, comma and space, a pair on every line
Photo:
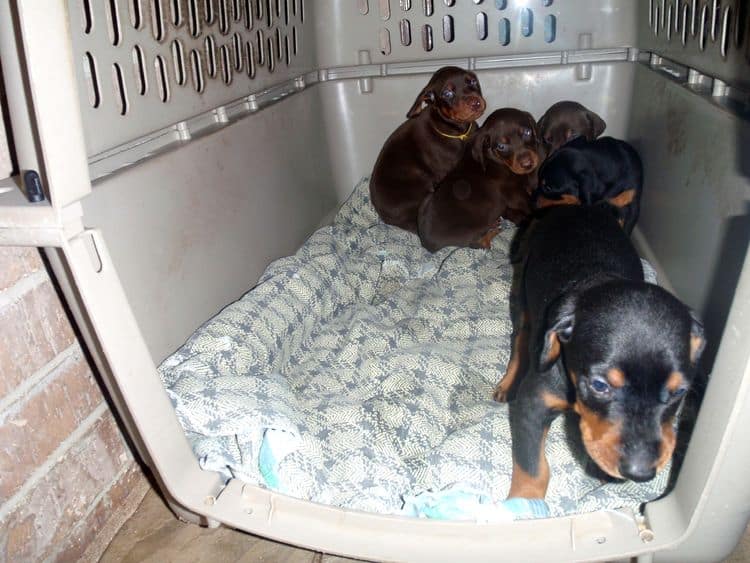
502, 147
526, 134
548, 139
448, 94
679, 392
599, 386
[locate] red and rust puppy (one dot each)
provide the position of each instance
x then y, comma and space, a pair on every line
618, 351
564, 121
426, 146
492, 180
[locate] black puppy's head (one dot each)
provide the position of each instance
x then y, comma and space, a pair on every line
566, 178
630, 350
455, 93
567, 120
508, 137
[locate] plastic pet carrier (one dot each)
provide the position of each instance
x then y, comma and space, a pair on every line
179, 147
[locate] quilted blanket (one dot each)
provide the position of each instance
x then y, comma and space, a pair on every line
359, 373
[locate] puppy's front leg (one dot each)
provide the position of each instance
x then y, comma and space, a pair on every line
531, 414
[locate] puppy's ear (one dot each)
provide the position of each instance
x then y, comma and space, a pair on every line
697, 338
541, 126
480, 144
560, 321
426, 96
597, 124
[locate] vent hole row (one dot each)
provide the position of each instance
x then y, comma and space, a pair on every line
237, 56
526, 29
706, 21
428, 6
196, 12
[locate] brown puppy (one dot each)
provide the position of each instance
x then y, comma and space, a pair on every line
492, 180
565, 121
424, 148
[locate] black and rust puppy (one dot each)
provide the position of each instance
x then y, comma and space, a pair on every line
587, 172
617, 350
565, 121
426, 146
492, 181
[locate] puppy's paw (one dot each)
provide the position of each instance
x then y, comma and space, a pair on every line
501, 392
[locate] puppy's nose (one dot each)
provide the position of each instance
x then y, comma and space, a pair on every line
638, 468
475, 103
525, 161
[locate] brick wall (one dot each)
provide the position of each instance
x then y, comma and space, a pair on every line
67, 478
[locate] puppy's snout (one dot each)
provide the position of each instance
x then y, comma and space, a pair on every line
526, 161
476, 103
639, 467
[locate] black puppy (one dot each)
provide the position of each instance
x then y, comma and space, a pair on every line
617, 350
587, 172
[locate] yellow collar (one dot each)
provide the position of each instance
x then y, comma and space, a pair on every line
461, 137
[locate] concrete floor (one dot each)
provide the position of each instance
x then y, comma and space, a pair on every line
153, 534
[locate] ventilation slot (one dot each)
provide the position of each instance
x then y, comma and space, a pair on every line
704, 28
385, 9
271, 58
501, 4
550, 28
92, 80
481, 22
139, 70
136, 14
527, 22
197, 70
477, 1
724, 45
449, 3
302, 11
261, 48
248, 14
194, 18
210, 56
269, 14
295, 41
162, 78
87, 17
405, 5
429, 7
208, 11
385, 41
120, 90
448, 33
546, 3
250, 57
363, 5
684, 24
237, 10
175, 7
286, 12
669, 23
113, 23
223, 17
226, 65
278, 9
287, 54
237, 51
741, 25
278, 44
427, 40
178, 58
503, 30
714, 19
405, 32
157, 20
